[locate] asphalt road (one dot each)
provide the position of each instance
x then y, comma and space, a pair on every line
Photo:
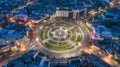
6, 59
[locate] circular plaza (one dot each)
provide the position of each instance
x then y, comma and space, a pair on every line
60, 36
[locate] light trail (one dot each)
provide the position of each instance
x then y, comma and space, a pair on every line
105, 57
112, 4
21, 7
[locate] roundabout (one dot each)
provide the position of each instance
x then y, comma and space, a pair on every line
60, 36
61, 39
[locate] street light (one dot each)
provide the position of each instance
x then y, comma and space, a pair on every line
79, 44
37, 39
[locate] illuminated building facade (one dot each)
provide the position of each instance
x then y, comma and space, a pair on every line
71, 13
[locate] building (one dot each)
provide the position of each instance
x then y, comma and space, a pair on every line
71, 13
103, 32
107, 1
86, 60
116, 30
109, 15
96, 61
63, 12
13, 31
6, 45
2, 21
21, 18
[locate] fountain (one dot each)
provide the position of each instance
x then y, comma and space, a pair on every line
59, 33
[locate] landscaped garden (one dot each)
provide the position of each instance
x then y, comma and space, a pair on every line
60, 36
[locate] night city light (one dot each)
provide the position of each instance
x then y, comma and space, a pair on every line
59, 33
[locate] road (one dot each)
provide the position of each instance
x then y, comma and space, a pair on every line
103, 55
6, 59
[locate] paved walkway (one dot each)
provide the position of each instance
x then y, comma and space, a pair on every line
46, 40
71, 42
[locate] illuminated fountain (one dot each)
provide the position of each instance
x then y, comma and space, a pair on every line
60, 33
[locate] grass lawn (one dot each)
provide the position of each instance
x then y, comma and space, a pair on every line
41, 35
55, 39
87, 27
61, 45
73, 38
52, 42
63, 39
77, 29
56, 48
73, 31
79, 38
